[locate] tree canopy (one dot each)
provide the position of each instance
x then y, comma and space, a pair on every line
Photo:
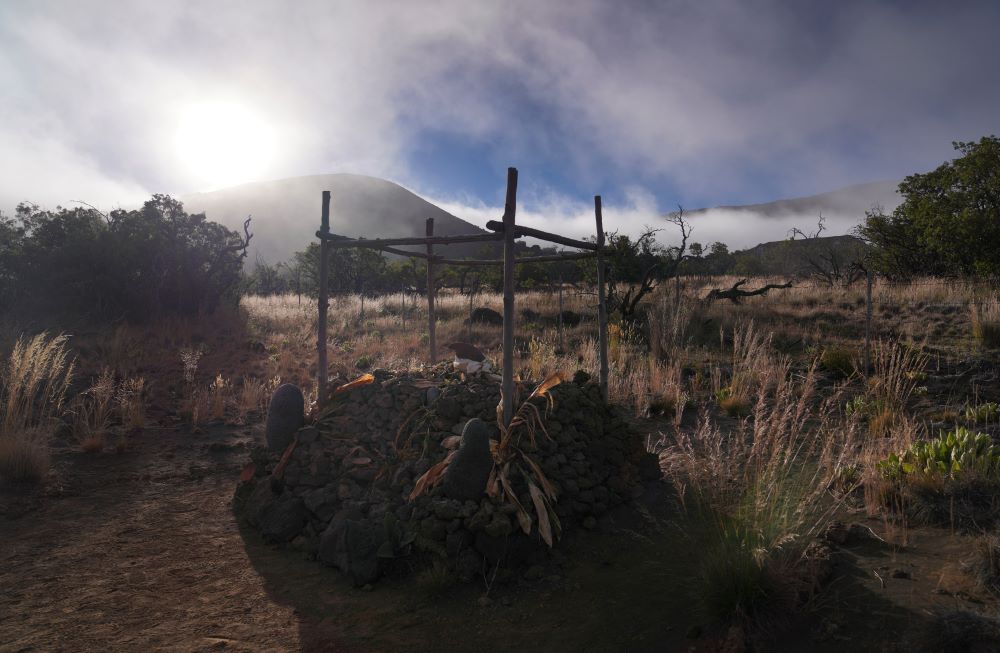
138, 264
949, 221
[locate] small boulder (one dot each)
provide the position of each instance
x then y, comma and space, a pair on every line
466, 476
571, 318
285, 416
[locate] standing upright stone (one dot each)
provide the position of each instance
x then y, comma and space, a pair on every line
285, 416
466, 476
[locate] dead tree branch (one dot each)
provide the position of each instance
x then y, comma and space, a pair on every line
736, 295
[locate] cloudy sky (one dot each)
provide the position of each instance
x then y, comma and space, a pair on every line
652, 104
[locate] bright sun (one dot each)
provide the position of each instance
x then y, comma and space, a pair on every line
223, 143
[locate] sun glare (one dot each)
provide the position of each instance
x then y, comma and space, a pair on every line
223, 143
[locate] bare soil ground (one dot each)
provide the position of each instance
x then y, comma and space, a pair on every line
140, 551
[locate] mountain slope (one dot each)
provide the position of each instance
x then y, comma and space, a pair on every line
286, 213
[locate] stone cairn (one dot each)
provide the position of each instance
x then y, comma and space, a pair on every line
343, 489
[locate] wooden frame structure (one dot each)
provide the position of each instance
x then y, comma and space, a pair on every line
506, 230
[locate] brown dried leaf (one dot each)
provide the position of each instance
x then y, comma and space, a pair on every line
551, 381
364, 379
431, 477
248, 472
550, 490
279, 469
544, 528
522, 515
493, 483
451, 441
360, 461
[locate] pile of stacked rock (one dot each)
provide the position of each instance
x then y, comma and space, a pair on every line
340, 488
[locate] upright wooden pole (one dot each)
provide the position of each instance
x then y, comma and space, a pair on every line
602, 308
431, 317
507, 387
321, 372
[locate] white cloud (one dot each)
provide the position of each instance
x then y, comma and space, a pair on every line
712, 98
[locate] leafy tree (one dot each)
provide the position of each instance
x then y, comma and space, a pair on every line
137, 264
949, 220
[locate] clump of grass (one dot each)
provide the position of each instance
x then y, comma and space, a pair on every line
436, 580
33, 384
979, 413
838, 361
218, 396
985, 564
131, 400
734, 405
24, 455
754, 518
986, 323
94, 409
254, 394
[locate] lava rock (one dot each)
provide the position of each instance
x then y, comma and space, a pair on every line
350, 543
466, 476
285, 416
282, 520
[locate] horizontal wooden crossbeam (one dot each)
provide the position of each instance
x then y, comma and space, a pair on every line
528, 232
339, 242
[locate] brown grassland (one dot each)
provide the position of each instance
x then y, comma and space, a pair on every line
804, 503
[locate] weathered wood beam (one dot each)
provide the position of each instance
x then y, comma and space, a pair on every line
554, 258
529, 232
323, 303
509, 271
602, 302
338, 242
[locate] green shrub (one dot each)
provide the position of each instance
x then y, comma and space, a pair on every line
957, 452
988, 412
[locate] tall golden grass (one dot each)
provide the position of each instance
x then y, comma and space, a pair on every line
33, 385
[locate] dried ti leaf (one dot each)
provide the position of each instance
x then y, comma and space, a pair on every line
248, 471
542, 510
279, 469
431, 478
550, 490
364, 379
451, 442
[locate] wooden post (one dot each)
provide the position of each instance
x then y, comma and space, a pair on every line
602, 308
868, 321
431, 317
507, 386
321, 372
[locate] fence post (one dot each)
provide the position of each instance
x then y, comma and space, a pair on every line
321, 372
431, 317
868, 321
602, 308
507, 387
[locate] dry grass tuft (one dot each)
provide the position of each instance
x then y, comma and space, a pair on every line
986, 323
33, 384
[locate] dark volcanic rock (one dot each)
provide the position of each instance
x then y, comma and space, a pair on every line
466, 476
285, 416
283, 519
350, 543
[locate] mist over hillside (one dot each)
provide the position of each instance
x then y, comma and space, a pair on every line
286, 212
747, 225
